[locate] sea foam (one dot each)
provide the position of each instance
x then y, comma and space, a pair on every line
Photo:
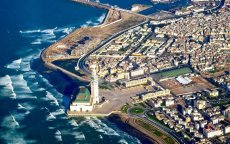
15, 64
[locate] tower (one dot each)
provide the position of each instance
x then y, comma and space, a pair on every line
94, 84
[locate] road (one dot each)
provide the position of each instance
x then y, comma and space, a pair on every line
165, 129
81, 62
172, 133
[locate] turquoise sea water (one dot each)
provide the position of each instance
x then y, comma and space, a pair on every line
31, 109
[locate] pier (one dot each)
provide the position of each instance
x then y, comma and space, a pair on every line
93, 4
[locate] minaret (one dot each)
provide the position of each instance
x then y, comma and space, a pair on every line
94, 84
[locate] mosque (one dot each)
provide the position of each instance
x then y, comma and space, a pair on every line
85, 101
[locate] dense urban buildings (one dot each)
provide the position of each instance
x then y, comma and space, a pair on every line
174, 72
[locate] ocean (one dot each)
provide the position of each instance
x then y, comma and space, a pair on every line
33, 99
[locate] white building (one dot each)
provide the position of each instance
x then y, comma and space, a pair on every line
203, 123
200, 104
169, 102
85, 101
137, 72
212, 132
151, 95
227, 129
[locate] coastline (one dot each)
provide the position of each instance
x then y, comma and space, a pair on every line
124, 123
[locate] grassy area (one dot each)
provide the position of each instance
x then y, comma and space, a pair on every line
174, 72
221, 103
136, 110
155, 131
106, 85
125, 108
143, 105
152, 117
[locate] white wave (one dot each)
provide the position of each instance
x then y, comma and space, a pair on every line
65, 30
100, 136
68, 30
40, 89
50, 117
50, 31
36, 42
58, 112
79, 135
9, 122
101, 18
104, 128
14, 137
30, 73
51, 128
40, 36
7, 89
6, 92
94, 22
42, 79
20, 84
27, 112
51, 41
26, 106
20, 95
58, 135
29, 31
15, 64
52, 98
73, 123
32, 76
89, 22
14, 95
56, 93
25, 67
5, 80
122, 141
21, 107
18, 116
100, 126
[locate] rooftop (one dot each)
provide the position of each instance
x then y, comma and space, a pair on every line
83, 95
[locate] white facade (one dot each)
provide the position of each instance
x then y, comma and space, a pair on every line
200, 104
169, 102
212, 133
81, 108
227, 129
137, 72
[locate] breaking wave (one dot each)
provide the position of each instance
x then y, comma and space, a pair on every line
5, 80
50, 117
52, 98
15, 64
73, 123
94, 22
10, 122
99, 126
41, 36
58, 135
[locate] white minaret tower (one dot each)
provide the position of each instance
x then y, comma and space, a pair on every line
94, 84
